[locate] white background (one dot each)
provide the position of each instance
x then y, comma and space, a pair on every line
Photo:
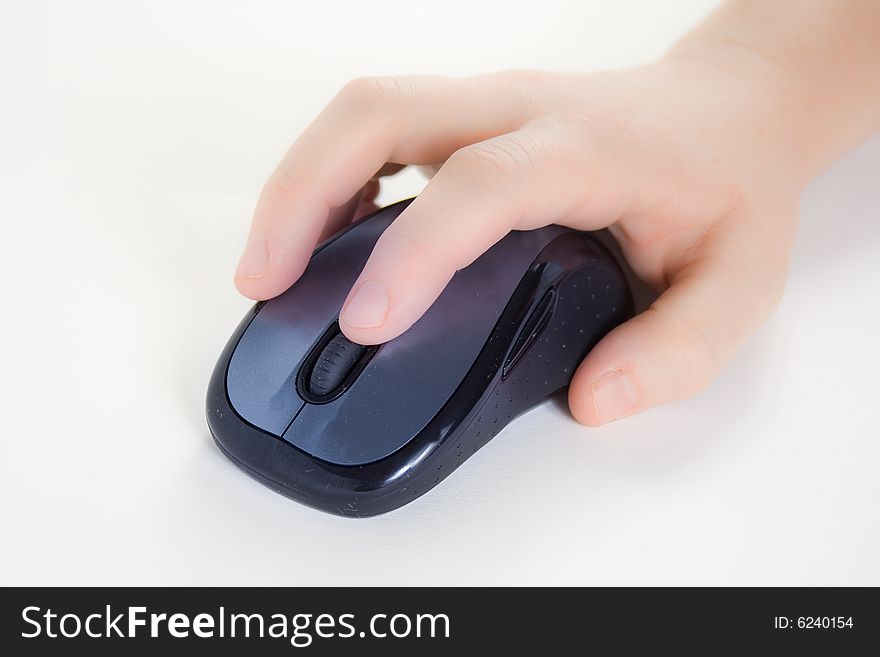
133, 143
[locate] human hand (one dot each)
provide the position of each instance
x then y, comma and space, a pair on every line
694, 163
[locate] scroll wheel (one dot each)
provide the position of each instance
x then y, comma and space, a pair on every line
333, 364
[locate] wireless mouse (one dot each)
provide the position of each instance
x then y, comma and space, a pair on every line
360, 430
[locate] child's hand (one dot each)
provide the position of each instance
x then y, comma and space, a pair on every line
695, 163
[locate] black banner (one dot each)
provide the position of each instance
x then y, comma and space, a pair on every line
334, 621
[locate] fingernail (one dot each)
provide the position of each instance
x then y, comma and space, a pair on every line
614, 395
255, 259
368, 307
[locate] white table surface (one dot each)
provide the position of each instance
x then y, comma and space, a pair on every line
133, 143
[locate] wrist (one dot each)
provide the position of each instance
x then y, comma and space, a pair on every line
798, 141
814, 65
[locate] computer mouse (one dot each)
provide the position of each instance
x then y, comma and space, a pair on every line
360, 430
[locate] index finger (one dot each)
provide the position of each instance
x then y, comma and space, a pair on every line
412, 120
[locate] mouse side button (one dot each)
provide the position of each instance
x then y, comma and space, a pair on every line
532, 327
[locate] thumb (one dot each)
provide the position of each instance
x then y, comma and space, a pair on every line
676, 347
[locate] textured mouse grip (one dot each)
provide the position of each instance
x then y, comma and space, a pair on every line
334, 365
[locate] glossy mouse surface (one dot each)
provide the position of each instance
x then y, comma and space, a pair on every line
359, 430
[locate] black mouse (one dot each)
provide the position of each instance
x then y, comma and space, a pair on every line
361, 430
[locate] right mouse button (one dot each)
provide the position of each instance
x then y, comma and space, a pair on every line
530, 330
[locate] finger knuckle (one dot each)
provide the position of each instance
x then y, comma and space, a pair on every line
280, 181
767, 271
694, 346
499, 156
524, 84
527, 90
426, 251
594, 126
372, 90
775, 284
522, 75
